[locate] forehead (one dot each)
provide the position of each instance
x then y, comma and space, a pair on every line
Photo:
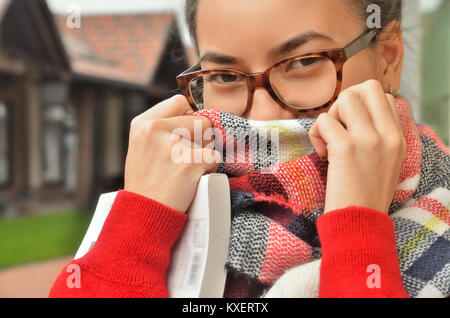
244, 26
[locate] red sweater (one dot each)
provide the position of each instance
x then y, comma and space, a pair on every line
132, 253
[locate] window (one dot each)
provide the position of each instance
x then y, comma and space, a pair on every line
54, 117
4, 145
57, 124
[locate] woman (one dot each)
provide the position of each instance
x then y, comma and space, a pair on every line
359, 133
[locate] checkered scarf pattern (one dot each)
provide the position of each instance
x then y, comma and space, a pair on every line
278, 192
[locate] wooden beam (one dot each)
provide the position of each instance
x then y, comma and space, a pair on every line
49, 35
10, 66
84, 99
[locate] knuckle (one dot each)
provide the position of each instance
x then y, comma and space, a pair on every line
141, 129
135, 122
322, 118
179, 101
154, 125
373, 84
373, 142
347, 95
135, 128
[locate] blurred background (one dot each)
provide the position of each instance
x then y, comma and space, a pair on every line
73, 73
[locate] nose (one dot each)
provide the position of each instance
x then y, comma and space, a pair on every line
264, 107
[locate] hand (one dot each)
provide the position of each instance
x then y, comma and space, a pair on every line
362, 137
150, 169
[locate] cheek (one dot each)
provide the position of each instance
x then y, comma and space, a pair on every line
360, 68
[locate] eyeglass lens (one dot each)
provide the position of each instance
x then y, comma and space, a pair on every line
302, 83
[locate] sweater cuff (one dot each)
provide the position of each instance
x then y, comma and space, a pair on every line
338, 229
136, 240
355, 240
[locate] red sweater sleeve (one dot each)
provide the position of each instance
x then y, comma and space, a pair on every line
131, 255
359, 255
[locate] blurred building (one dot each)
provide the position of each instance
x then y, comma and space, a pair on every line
67, 95
122, 64
32, 55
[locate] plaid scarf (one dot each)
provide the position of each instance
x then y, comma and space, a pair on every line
278, 182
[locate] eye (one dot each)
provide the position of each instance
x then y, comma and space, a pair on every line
302, 63
223, 78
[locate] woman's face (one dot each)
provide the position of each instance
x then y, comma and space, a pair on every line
245, 32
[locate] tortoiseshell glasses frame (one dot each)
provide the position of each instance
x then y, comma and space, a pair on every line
337, 56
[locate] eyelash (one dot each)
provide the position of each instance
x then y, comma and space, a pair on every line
313, 59
212, 78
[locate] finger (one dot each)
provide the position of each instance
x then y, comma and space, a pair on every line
394, 109
325, 131
206, 160
376, 102
211, 160
351, 112
175, 106
191, 123
193, 127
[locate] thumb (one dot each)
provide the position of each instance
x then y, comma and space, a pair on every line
319, 144
211, 159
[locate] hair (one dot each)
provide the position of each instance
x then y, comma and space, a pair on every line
391, 10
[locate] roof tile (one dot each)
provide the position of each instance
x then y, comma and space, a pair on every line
124, 48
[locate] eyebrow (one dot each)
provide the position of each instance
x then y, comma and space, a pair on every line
219, 58
282, 49
296, 42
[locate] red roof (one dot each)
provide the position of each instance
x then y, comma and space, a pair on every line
124, 48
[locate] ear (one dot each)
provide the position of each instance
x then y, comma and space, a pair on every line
391, 50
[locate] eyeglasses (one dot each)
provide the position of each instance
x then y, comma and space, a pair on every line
304, 83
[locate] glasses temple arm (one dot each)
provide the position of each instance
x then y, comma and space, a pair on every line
360, 43
196, 67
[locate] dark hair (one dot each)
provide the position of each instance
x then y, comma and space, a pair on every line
391, 10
